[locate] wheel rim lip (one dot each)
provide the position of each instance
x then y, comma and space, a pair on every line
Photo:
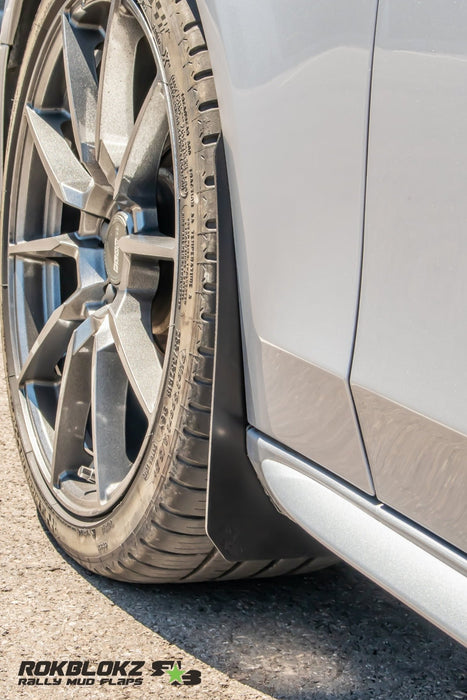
72, 506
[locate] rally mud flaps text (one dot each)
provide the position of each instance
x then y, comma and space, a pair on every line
121, 673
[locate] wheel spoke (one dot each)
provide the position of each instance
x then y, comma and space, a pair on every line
108, 409
69, 179
115, 116
48, 348
136, 178
91, 269
73, 404
87, 253
53, 339
131, 330
49, 247
71, 182
81, 83
160, 247
89, 225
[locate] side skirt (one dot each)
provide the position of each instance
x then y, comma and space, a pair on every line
424, 572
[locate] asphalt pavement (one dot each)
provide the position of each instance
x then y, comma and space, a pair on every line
332, 635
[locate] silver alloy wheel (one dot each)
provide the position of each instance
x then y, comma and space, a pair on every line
94, 260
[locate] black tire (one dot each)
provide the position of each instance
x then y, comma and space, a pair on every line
156, 531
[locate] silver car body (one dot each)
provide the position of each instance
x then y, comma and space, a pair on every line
344, 127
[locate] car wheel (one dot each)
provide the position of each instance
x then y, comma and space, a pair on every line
109, 294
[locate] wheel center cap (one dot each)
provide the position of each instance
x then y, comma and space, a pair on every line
112, 254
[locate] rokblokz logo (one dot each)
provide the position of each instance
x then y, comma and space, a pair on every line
122, 673
176, 674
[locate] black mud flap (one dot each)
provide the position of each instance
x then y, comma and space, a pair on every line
242, 522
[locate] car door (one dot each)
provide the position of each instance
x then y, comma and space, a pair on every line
409, 374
